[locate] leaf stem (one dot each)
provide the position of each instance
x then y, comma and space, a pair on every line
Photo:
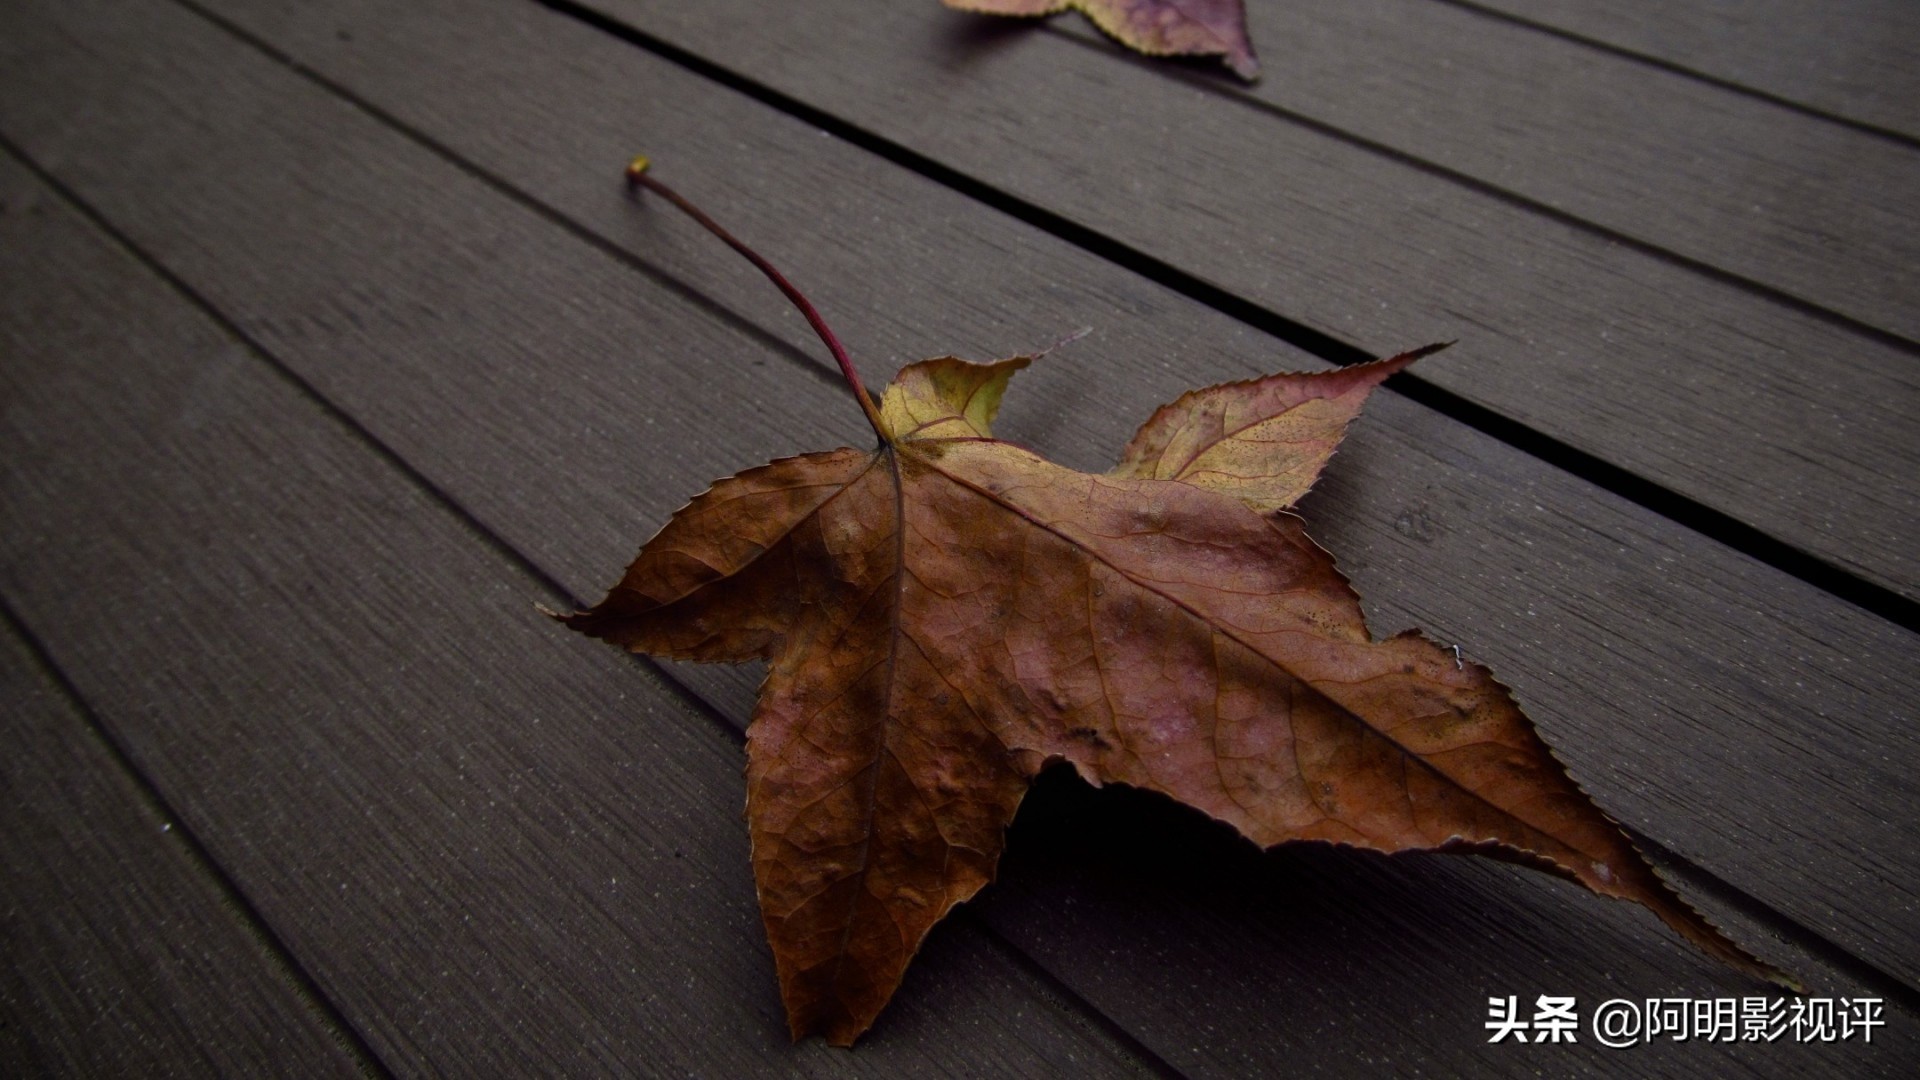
637, 177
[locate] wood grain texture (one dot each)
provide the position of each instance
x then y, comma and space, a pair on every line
1653, 659
1811, 208
525, 373
1343, 965
1694, 383
1859, 59
498, 853
124, 956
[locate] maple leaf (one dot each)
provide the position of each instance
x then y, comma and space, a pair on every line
1153, 27
947, 614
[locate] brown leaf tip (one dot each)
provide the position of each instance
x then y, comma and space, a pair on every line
947, 611
1152, 27
1264, 440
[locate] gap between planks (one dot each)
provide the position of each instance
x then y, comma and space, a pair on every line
1794, 930
280, 959
1675, 67
257, 924
1683, 510
1211, 86
1714, 463
709, 473
1767, 271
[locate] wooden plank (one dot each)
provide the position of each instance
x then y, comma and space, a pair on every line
1335, 962
124, 955
1698, 694
1813, 209
517, 383
1794, 425
497, 852
1858, 59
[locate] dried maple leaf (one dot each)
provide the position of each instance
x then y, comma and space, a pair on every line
947, 614
1154, 27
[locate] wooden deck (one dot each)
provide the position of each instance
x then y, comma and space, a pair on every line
330, 344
